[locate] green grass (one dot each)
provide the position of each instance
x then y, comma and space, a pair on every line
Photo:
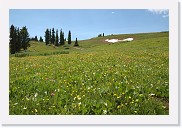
130, 78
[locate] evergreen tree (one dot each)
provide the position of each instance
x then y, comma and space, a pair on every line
24, 37
36, 38
69, 37
99, 35
103, 34
12, 40
76, 43
61, 37
41, 40
18, 40
53, 36
57, 38
50, 36
47, 34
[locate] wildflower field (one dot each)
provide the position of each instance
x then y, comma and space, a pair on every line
96, 78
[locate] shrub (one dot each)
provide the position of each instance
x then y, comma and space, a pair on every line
21, 54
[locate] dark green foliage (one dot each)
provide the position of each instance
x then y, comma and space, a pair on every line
69, 37
21, 54
41, 54
41, 40
12, 39
103, 34
57, 39
47, 34
76, 43
24, 38
18, 39
53, 36
99, 35
53, 53
50, 36
36, 38
61, 37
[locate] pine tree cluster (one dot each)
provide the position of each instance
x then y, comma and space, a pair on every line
58, 39
19, 39
51, 38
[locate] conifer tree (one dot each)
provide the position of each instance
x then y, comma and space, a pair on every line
12, 40
24, 37
36, 38
57, 39
18, 40
41, 40
61, 37
76, 43
50, 36
47, 38
69, 37
53, 36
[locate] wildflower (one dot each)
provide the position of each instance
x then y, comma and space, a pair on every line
104, 111
105, 104
164, 107
15, 103
52, 94
118, 97
151, 94
74, 98
79, 103
78, 97
36, 94
27, 99
118, 106
25, 108
45, 92
129, 97
140, 95
36, 110
115, 94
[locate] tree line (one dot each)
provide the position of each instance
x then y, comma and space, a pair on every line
51, 38
19, 39
56, 38
36, 39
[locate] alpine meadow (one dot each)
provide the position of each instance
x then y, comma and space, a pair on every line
62, 75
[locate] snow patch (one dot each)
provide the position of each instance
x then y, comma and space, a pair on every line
116, 40
128, 39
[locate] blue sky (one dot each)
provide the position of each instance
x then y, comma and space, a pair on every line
88, 23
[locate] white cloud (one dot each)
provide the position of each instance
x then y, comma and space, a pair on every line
112, 12
163, 12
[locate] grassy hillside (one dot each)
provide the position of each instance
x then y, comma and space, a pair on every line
95, 78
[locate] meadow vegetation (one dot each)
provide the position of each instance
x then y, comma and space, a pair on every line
96, 78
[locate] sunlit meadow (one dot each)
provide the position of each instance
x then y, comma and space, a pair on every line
97, 78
